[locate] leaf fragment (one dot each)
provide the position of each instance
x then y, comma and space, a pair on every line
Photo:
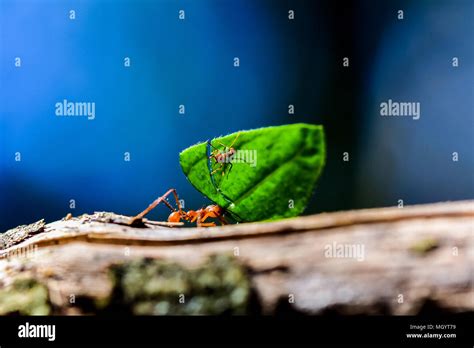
272, 175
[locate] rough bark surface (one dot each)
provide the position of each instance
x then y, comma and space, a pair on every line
411, 260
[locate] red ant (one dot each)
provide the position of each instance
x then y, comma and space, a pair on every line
198, 216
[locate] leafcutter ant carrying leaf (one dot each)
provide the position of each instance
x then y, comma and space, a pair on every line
290, 161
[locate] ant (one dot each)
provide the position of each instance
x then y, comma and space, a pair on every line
199, 216
223, 156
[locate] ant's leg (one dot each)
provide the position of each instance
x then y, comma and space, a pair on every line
217, 169
222, 144
230, 168
206, 224
210, 143
169, 205
222, 220
204, 218
176, 198
214, 153
200, 221
153, 205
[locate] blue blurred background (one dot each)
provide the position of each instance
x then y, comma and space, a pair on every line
190, 62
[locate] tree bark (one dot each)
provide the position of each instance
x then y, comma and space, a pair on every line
411, 260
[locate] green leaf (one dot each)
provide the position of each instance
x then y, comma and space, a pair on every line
289, 160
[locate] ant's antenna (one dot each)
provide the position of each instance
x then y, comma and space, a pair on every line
235, 139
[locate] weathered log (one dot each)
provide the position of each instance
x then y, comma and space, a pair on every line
410, 260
